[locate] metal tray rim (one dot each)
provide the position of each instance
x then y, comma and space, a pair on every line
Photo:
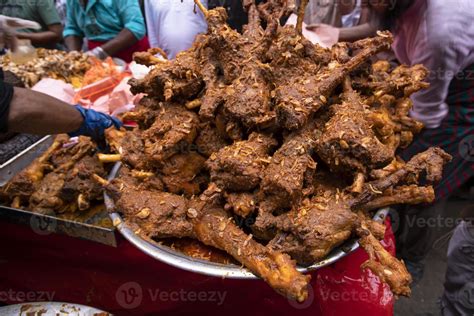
178, 260
27, 150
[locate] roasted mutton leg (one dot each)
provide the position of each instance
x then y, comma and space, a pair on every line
310, 232
24, 183
248, 98
175, 80
403, 81
215, 228
388, 268
412, 195
149, 58
348, 142
284, 178
46, 199
431, 161
79, 187
295, 107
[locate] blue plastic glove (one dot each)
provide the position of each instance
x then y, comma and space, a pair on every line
95, 124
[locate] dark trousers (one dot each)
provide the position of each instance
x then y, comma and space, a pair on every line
458, 296
415, 228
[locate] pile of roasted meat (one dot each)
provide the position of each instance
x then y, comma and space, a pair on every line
67, 66
273, 149
60, 182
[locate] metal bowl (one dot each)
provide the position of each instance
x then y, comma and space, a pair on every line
179, 260
50, 309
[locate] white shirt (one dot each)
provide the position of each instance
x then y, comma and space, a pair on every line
352, 19
440, 35
173, 24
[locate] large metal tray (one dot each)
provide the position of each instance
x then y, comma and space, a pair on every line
44, 224
23, 159
179, 260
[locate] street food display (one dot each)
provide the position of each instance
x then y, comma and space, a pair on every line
260, 144
67, 66
271, 148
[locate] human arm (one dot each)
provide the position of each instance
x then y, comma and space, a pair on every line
122, 41
352, 34
443, 54
49, 16
73, 34
73, 43
133, 30
370, 23
37, 113
52, 36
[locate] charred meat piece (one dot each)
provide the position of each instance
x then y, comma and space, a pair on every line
430, 162
173, 130
176, 80
401, 82
284, 178
64, 158
153, 214
24, 184
252, 107
242, 204
348, 142
79, 185
209, 140
180, 174
239, 167
46, 199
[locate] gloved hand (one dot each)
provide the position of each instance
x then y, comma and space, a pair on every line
98, 52
95, 124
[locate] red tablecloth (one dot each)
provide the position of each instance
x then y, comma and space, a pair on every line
124, 281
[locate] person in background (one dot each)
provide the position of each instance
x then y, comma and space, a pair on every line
337, 13
61, 7
458, 293
345, 20
112, 27
438, 34
41, 11
173, 25
27, 111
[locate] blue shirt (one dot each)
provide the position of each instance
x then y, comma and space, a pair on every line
102, 20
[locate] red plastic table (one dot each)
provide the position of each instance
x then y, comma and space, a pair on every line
125, 281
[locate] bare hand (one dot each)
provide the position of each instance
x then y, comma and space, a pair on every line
328, 34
